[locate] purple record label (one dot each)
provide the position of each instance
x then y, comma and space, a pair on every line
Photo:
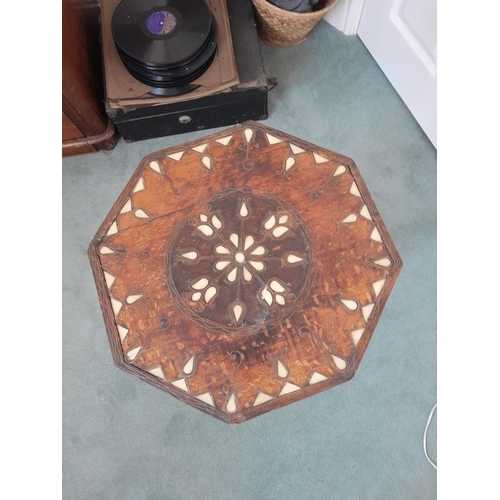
161, 22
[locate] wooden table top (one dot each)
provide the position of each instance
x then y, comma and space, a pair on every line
243, 271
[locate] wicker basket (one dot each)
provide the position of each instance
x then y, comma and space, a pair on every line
281, 28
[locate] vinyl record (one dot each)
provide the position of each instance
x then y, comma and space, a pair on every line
165, 44
161, 82
173, 72
161, 32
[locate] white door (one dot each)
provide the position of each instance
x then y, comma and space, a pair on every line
401, 35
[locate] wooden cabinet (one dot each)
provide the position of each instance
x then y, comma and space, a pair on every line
85, 125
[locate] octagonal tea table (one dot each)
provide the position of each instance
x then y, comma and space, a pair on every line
243, 271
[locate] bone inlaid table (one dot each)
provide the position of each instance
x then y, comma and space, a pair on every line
243, 271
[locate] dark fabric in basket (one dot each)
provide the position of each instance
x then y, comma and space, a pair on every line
294, 5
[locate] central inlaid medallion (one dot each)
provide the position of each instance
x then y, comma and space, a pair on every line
239, 261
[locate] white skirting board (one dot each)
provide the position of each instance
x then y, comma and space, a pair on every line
346, 16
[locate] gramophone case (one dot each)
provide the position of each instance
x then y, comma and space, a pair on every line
247, 100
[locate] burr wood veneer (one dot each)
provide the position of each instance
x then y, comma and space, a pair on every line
243, 271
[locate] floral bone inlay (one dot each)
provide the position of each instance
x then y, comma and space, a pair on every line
242, 259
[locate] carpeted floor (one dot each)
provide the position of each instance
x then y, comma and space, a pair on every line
123, 439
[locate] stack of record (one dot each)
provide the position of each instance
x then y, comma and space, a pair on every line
166, 44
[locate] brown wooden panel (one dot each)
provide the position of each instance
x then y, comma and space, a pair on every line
69, 129
78, 150
82, 87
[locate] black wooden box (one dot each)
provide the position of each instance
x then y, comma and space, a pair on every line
246, 101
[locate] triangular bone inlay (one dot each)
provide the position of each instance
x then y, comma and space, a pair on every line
113, 229
122, 332
377, 286
262, 398
225, 140
181, 384
296, 150
367, 310
282, 371
317, 377
319, 159
354, 190
356, 335
139, 186
206, 398
201, 148
176, 156
288, 388
127, 207
158, 372
272, 139
365, 213
110, 279
131, 355
116, 305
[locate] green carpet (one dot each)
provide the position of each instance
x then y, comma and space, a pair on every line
123, 439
